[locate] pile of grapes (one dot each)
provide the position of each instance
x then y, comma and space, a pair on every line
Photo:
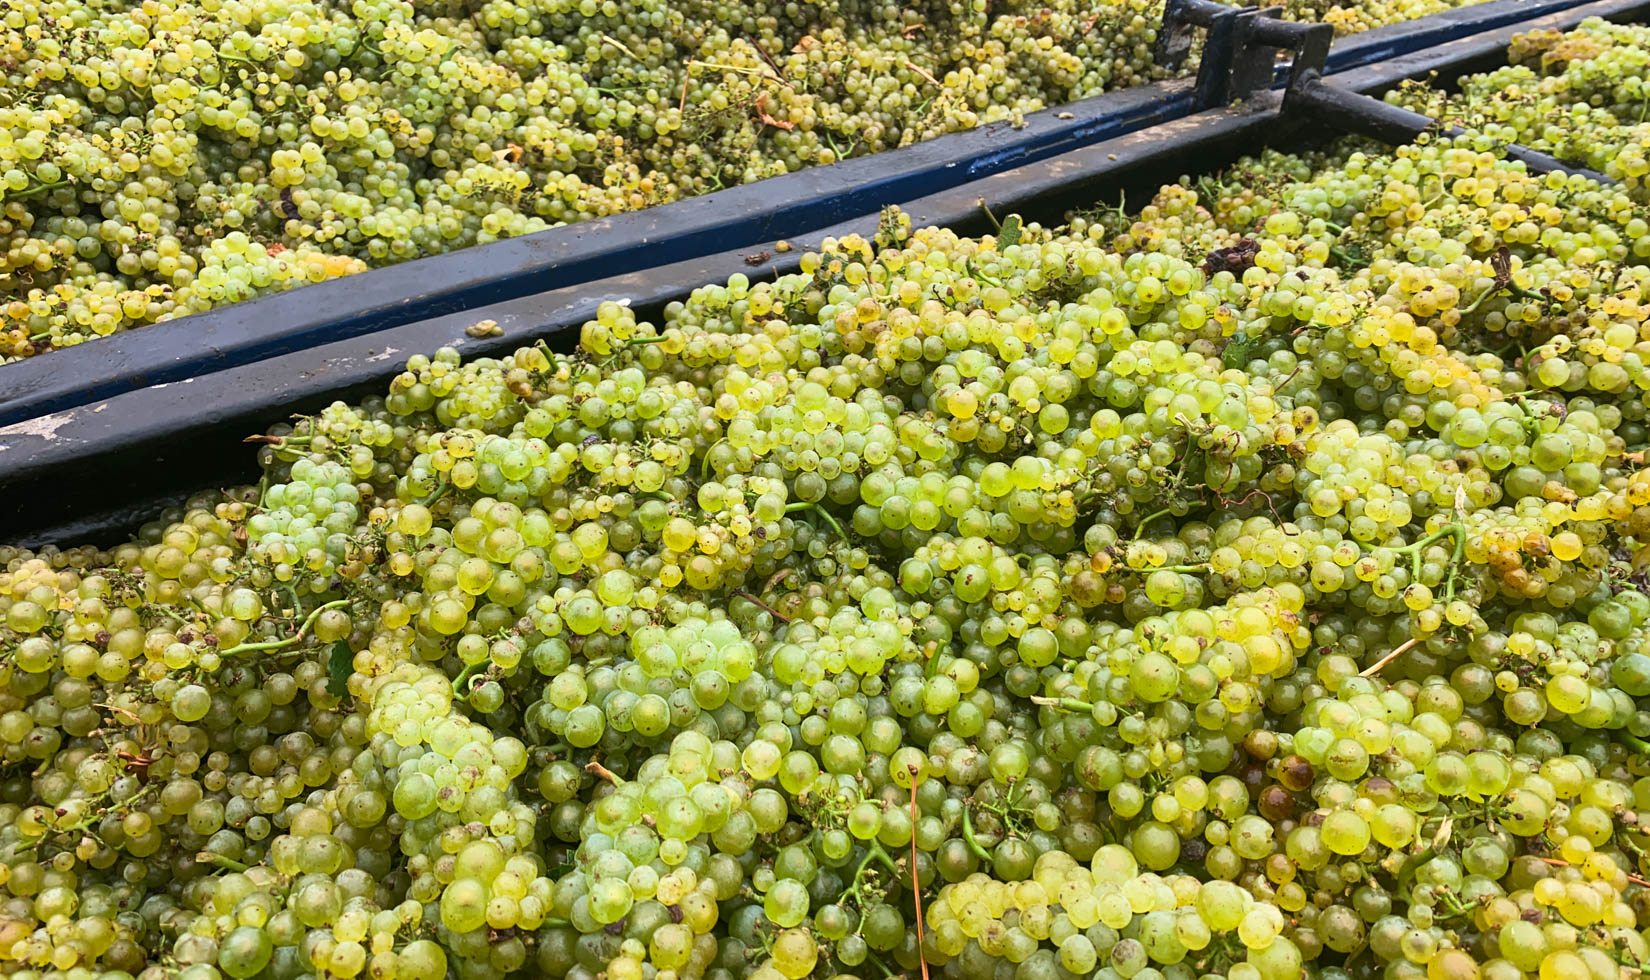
1247, 588
1582, 96
165, 157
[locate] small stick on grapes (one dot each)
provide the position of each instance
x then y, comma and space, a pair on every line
604, 772
227, 864
765, 56
1560, 863
934, 82
916, 888
1375, 668
993, 218
1064, 704
755, 601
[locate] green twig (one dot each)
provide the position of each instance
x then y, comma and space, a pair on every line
1065, 704
969, 839
704, 463
440, 492
463, 678
873, 852
1638, 745
1414, 864
277, 644
1165, 512
808, 504
1458, 531
228, 864
36, 189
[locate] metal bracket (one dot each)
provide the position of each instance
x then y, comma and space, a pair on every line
1174, 44
1262, 39
1310, 96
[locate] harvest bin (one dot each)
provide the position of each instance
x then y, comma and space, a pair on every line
739, 217
149, 447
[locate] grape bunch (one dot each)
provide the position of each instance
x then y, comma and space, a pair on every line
165, 159
1253, 586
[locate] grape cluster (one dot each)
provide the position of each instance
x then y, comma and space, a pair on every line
1252, 586
169, 158
1578, 95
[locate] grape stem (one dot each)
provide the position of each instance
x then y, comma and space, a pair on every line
119, 710
621, 47
605, 773
969, 838
1624, 836
1203, 567
1561, 863
932, 81
1345, 257
461, 682
1165, 512
881, 966
916, 887
874, 852
1420, 857
806, 504
1064, 704
1496, 287
37, 189
1375, 668
755, 72
765, 56
227, 864
989, 216
774, 612
977, 274
1638, 745
704, 464
439, 492
1457, 531
277, 644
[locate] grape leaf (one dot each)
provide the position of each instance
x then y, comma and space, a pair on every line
339, 666
1010, 234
